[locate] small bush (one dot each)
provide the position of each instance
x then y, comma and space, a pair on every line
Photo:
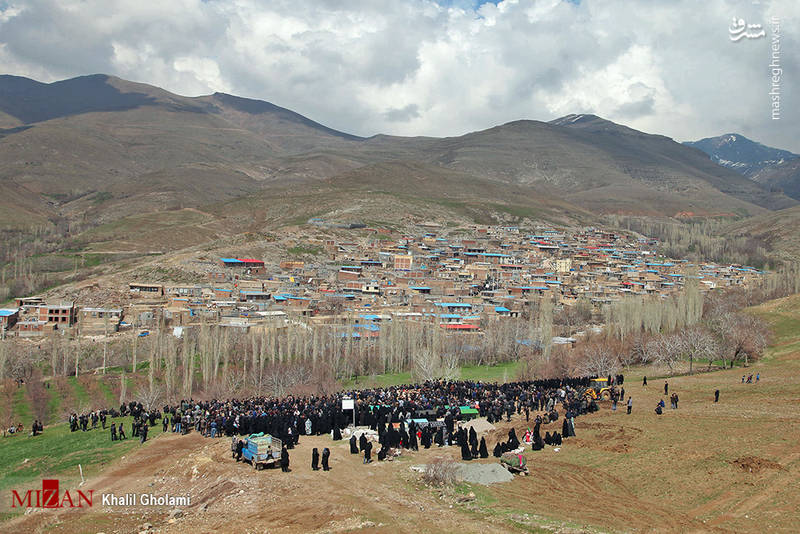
440, 472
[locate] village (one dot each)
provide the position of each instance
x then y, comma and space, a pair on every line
461, 281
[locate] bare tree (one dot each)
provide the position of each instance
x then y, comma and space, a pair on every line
598, 359
150, 397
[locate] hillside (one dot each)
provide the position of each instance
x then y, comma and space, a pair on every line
783, 177
96, 148
776, 230
100, 165
706, 467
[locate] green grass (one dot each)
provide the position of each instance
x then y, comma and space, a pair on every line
502, 372
505, 371
53, 405
24, 460
107, 392
22, 410
81, 396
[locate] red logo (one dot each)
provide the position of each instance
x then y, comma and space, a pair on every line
51, 497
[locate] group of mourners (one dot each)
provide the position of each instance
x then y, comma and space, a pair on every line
404, 417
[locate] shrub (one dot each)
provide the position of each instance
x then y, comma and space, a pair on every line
440, 472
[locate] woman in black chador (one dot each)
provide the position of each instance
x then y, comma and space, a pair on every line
482, 451
513, 442
465, 452
353, 445
326, 454
315, 459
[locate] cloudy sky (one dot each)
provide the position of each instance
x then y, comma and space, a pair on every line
421, 67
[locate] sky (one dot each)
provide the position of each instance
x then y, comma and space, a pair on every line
421, 67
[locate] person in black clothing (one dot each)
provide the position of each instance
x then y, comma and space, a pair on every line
482, 451
164, 423
513, 442
326, 454
363, 442
466, 454
239, 449
368, 452
498, 450
353, 445
113, 432
666, 387
412, 440
284, 460
121, 431
716, 396
143, 433
644, 382
315, 459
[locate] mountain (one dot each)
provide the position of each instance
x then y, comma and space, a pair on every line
739, 153
775, 169
95, 149
783, 177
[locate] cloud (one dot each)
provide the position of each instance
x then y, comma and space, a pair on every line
421, 67
404, 114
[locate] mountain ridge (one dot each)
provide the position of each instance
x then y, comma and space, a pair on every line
97, 147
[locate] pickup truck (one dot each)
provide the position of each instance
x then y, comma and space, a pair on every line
262, 450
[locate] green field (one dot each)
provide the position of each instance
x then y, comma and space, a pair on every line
501, 372
57, 453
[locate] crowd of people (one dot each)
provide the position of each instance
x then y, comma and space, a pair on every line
404, 417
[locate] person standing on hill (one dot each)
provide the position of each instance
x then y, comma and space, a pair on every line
122, 432
368, 452
326, 454
716, 396
630, 404
113, 432
143, 433
644, 382
315, 459
666, 388
284, 459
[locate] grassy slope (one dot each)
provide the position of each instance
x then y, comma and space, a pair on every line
58, 452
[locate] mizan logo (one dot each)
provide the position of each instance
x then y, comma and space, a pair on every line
50, 497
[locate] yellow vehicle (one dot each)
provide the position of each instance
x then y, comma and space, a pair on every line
599, 389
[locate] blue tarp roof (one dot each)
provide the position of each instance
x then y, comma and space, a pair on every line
501, 309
